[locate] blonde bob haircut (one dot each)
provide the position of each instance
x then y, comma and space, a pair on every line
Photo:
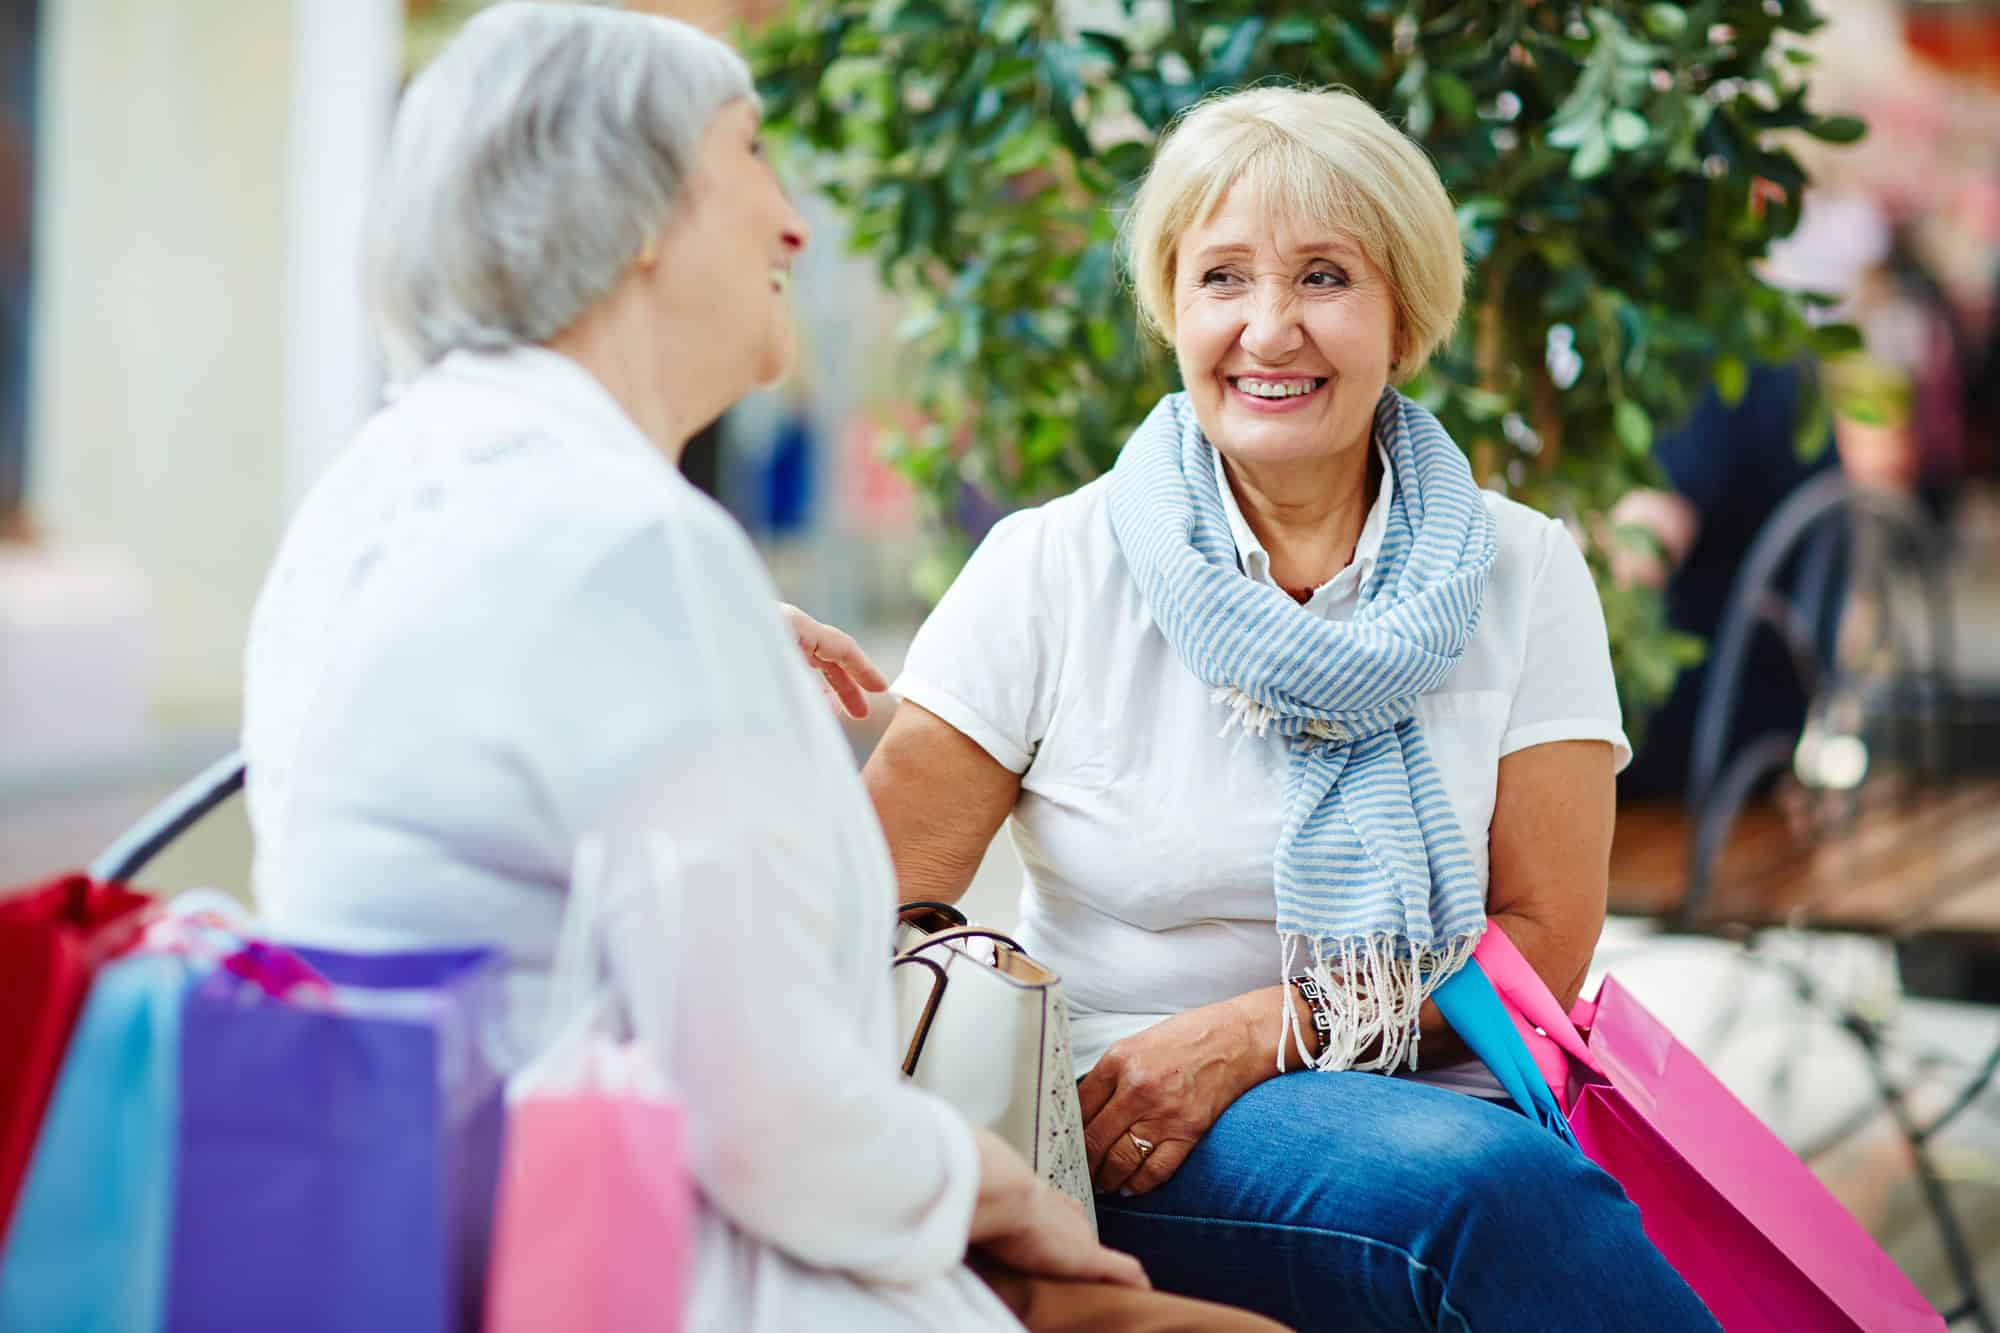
1317, 157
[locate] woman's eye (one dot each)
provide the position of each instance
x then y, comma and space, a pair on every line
1216, 277
1326, 278
757, 147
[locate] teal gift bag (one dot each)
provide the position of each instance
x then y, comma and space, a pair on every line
89, 1243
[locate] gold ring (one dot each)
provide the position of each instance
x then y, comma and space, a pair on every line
1145, 1146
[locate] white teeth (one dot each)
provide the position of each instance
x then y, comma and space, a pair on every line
1275, 388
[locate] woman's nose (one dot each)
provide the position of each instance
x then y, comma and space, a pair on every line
1271, 327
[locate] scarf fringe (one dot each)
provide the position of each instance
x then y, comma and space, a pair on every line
1373, 997
1256, 719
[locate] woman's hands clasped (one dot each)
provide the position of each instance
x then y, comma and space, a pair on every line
1020, 1221
1153, 1095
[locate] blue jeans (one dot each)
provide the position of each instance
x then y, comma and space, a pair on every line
1366, 1204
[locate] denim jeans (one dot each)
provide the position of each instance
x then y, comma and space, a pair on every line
1365, 1204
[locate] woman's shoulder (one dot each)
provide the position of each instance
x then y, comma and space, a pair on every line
1526, 540
1053, 541
467, 491
1067, 519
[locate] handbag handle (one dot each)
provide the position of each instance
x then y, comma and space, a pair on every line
964, 933
926, 918
915, 955
918, 906
923, 1029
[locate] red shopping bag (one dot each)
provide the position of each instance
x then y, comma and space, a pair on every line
53, 936
1734, 1210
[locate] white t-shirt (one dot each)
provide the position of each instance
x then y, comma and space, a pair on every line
1146, 835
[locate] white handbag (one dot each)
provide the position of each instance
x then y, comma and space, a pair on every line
985, 1027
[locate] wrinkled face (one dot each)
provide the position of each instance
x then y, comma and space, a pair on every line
729, 256
1285, 334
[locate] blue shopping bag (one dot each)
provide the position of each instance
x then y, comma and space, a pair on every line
89, 1243
338, 1152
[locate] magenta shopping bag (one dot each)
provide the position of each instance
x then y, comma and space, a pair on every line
1736, 1213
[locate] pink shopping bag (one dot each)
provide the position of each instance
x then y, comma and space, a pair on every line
1736, 1213
595, 1215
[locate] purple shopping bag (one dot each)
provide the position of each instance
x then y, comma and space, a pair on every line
1737, 1214
338, 1151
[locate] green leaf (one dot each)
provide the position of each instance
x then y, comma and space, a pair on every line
1574, 133
1358, 50
1627, 130
1105, 44
1454, 98
1837, 129
1831, 341
1665, 21
1591, 158
1815, 427
1228, 65
1294, 31
1480, 210
1634, 426
1013, 23
1732, 379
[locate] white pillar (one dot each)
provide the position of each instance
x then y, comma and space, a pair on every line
346, 64
158, 315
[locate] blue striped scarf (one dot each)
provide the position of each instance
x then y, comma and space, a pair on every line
1376, 891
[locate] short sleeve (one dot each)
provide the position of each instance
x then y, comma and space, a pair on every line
986, 659
1566, 690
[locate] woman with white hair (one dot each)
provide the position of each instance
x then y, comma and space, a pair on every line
503, 627
1283, 709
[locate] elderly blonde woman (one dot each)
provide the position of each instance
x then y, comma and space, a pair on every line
503, 626
1283, 709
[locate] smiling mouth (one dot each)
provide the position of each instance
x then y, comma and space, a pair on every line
1275, 390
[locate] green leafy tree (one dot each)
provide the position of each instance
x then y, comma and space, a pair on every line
1618, 169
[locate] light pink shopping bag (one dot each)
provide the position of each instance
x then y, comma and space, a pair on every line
595, 1216
1736, 1213
595, 1225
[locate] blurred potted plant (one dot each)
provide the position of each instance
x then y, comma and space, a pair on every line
1619, 169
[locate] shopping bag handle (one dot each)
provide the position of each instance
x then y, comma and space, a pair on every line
1472, 1006
169, 819
1533, 1003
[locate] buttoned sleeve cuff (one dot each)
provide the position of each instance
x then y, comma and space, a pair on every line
964, 719
1570, 729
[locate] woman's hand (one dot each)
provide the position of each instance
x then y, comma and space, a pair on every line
1166, 1086
1020, 1221
842, 665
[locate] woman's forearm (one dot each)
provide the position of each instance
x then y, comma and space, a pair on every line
1267, 1039
940, 799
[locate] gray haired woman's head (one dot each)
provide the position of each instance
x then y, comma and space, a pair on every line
531, 162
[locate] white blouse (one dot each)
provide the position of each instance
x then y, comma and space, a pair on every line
503, 622
1146, 835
